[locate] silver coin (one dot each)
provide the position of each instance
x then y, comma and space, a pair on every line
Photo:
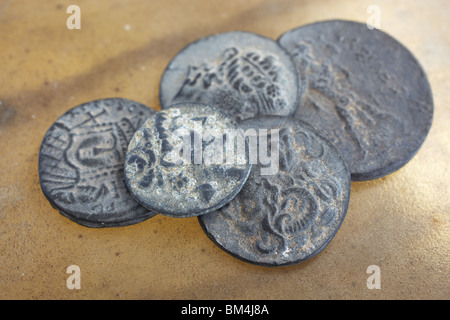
291, 215
242, 73
364, 90
176, 164
81, 163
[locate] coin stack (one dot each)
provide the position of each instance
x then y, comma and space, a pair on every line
259, 139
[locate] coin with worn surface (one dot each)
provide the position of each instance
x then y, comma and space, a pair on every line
291, 214
364, 90
81, 163
184, 161
242, 73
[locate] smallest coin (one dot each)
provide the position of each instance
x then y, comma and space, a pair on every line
185, 161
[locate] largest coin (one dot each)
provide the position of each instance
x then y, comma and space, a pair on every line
242, 73
364, 90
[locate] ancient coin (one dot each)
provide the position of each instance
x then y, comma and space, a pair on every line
364, 90
184, 161
288, 215
81, 163
242, 73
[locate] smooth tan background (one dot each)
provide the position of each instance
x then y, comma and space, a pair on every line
399, 223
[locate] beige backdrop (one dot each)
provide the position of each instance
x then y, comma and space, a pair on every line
399, 223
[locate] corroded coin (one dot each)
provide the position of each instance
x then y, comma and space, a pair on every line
81, 163
184, 161
290, 215
242, 73
364, 90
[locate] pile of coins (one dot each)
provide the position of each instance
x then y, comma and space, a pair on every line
258, 139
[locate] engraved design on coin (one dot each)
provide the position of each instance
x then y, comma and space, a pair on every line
241, 73
243, 83
289, 217
176, 166
364, 90
81, 163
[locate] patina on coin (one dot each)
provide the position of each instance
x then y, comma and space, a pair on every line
81, 163
242, 73
364, 90
179, 163
290, 216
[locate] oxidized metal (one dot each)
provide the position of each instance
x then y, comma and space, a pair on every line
242, 73
364, 90
81, 163
171, 166
288, 217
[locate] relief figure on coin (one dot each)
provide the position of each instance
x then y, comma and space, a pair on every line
95, 152
244, 84
278, 210
152, 167
328, 91
147, 164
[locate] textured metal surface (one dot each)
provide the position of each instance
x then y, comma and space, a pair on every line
364, 90
242, 73
164, 182
288, 217
81, 163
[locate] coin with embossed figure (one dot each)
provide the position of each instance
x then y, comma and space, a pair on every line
242, 73
81, 163
364, 90
184, 161
291, 214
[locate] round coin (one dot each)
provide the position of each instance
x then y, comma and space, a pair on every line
184, 161
81, 163
364, 90
284, 216
241, 73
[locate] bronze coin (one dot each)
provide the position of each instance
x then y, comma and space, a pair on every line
176, 164
364, 90
81, 163
291, 214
